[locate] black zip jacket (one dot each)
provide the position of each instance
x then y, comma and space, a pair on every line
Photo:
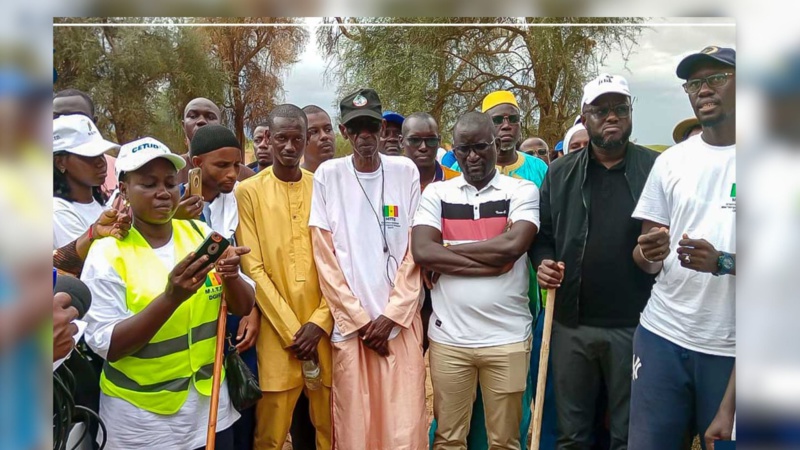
564, 216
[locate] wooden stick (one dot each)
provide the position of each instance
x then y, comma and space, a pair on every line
541, 382
211, 437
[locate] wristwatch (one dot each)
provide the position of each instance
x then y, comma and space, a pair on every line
725, 264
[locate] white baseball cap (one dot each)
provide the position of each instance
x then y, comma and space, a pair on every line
134, 155
604, 84
77, 134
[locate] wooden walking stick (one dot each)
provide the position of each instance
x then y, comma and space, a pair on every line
544, 356
211, 437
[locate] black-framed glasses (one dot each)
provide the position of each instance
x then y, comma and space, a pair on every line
713, 81
478, 147
416, 142
512, 118
542, 151
621, 111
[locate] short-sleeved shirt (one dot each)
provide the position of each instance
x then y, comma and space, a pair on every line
72, 219
692, 189
364, 211
479, 311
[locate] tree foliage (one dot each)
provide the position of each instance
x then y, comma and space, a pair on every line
447, 70
253, 60
140, 78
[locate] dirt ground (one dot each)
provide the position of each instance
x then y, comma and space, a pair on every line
429, 406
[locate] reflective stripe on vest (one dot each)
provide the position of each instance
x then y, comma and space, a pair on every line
157, 377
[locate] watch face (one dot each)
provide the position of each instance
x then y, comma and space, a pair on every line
727, 262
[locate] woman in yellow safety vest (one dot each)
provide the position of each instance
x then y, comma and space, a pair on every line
154, 313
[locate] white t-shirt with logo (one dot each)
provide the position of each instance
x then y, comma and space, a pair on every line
692, 189
72, 219
475, 312
356, 214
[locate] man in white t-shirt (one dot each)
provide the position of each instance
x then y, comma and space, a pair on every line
685, 346
361, 211
473, 231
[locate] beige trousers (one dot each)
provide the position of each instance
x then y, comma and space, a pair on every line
455, 371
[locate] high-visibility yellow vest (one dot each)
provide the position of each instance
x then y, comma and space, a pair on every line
156, 378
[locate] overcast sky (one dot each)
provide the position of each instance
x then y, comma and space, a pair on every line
660, 101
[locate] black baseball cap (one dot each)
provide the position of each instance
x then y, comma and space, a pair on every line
724, 55
361, 103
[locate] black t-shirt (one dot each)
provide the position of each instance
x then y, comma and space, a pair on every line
614, 291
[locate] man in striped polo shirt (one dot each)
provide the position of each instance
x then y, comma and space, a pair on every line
473, 231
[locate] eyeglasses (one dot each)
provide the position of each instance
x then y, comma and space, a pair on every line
621, 111
713, 81
415, 142
542, 152
512, 118
478, 147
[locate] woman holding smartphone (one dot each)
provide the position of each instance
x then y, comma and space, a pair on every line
154, 313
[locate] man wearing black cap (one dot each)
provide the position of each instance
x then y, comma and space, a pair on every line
685, 345
361, 214
217, 152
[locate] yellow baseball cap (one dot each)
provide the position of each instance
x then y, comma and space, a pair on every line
498, 98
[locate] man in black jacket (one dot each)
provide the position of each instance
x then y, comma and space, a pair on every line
584, 250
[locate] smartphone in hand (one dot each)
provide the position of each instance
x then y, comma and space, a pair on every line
196, 181
214, 246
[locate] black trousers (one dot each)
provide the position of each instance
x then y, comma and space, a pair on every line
584, 359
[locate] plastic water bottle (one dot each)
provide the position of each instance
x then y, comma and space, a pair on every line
312, 375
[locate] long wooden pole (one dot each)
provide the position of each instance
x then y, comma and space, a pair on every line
544, 356
211, 437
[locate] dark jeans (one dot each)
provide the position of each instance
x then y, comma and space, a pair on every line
584, 359
675, 392
224, 440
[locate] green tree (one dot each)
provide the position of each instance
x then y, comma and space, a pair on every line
139, 77
447, 70
253, 60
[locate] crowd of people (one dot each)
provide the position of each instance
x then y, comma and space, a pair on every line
360, 266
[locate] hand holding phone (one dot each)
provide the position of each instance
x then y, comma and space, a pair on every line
196, 181
213, 246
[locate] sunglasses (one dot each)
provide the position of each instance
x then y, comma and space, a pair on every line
415, 142
713, 81
356, 126
621, 111
478, 147
512, 118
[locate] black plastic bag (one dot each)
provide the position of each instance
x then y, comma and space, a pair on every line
242, 384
